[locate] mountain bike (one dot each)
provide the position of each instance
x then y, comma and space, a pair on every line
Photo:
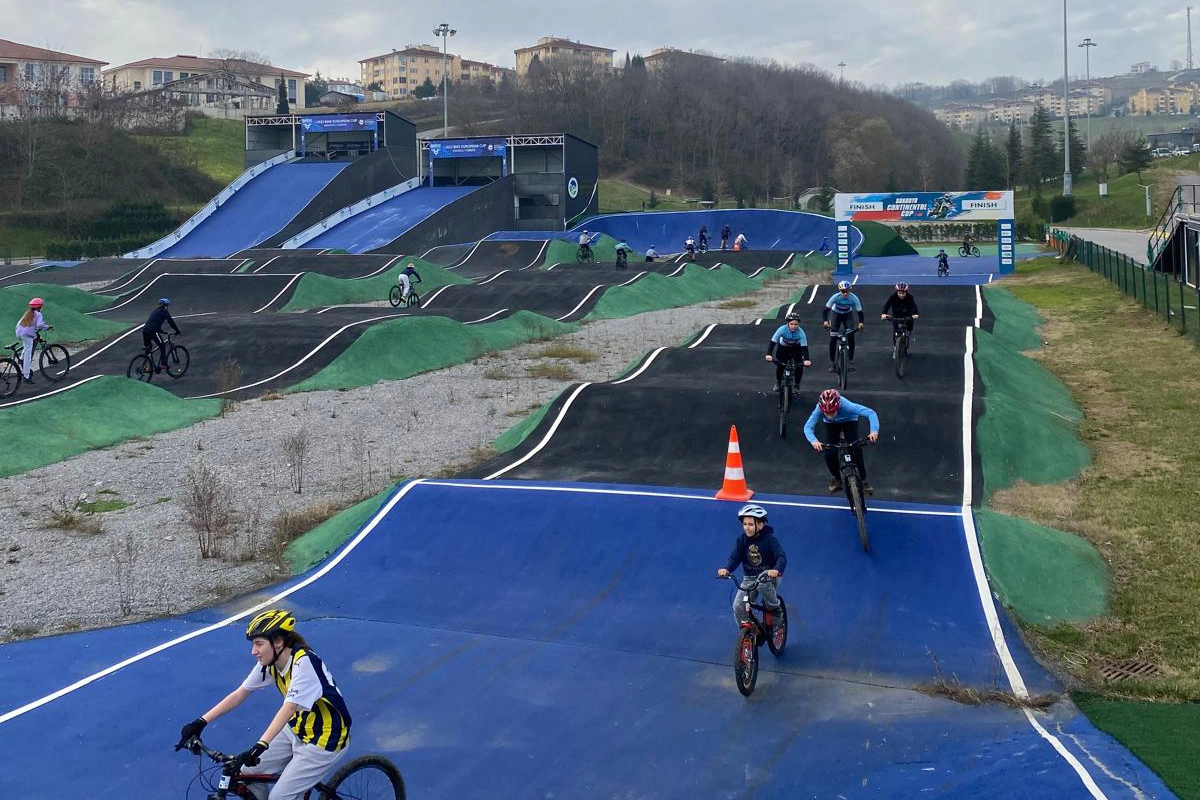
10, 377
622, 259
53, 360
369, 777
771, 629
841, 357
143, 367
792, 373
852, 484
943, 269
964, 251
900, 343
585, 255
396, 297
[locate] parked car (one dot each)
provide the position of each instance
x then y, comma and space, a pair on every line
1196, 147
1160, 152
1180, 151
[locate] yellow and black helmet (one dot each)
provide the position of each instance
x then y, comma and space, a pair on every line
272, 622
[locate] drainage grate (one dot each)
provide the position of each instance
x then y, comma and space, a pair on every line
1117, 671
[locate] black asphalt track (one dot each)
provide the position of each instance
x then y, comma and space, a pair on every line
746, 260
489, 257
148, 272
566, 294
101, 269
199, 294
669, 425
447, 255
336, 266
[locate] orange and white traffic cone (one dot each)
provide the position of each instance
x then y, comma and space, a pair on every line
734, 487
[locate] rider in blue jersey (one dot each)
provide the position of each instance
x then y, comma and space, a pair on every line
788, 342
838, 314
841, 423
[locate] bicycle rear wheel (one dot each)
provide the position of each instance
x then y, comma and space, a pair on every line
745, 663
54, 362
10, 377
777, 635
855, 494
396, 296
365, 778
900, 354
178, 361
141, 368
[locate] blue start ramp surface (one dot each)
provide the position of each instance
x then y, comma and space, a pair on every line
387, 221
765, 229
534, 640
257, 211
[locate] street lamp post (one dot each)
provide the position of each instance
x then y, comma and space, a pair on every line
1066, 190
445, 31
842, 79
1087, 45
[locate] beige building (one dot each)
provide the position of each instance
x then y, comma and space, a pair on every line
964, 117
187, 78
479, 72
1009, 111
552, 48
1174, 99
34, 77
400, 72
1094, 101
661, 56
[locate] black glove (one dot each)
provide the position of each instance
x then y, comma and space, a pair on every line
250, 758
189, 731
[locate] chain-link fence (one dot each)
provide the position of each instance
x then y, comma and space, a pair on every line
1175, 302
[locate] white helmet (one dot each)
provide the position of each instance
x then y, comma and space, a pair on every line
752, 510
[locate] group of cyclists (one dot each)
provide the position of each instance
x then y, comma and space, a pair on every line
691, 245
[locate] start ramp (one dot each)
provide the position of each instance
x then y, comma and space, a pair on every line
540, 639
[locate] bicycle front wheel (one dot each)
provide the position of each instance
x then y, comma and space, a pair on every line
55, 362
855, 494
745, 664
785, 401
414, 300
10, 377
901, 354
777, 635
396, 296
975, 252
365, 778
141, 368
843, 369
178, 361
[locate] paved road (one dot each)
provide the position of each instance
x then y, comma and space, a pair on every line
1131, 243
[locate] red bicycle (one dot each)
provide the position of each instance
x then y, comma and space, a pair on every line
772, 629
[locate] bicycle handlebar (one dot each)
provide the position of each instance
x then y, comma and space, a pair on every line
196, 747
846, 445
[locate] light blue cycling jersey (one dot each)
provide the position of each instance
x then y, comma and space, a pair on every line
847, 412
785, 338
844, 305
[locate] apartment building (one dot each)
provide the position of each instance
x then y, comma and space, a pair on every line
661, 56
1010, 111
1094, 101
1141, 68
553, 48
211, 85
958, 115
1174, 99
34, 77
400, 72
480, 72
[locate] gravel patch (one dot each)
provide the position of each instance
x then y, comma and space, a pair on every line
145, 561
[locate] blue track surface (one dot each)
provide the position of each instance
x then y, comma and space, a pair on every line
920, 270
543, 640
764, 229
257, 211
384, 223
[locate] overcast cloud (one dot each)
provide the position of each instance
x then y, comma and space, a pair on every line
881, 41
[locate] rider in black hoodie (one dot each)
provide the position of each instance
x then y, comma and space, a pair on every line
760, 555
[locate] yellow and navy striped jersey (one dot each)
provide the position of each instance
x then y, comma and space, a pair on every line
327, 722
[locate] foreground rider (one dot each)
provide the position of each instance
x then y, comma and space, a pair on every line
152, 330
760, 555
902, 308
788, 342
840, 417
838, 314
309, 732
408, 276
29, 326
943, 262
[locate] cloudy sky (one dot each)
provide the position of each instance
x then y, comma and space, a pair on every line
888, 42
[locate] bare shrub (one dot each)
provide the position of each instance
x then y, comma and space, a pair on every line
68, 514
228, 379
291, 525
295, 451
208, 508
124, 554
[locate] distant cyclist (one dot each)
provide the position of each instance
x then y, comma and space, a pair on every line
689, 246
741, 242
585, 245
840, 417
622, 254
901, 307
725, 234
152, 331
966, 245
788, 342
839, 314
703, 238
651, 253
408, 276
943, 263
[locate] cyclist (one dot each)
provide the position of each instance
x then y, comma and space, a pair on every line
585, 244
725, 234
408, 276
703, 237
841, 424
152, 331
788, 342
966, 245
689, 245
28, 326
651, 253
825, 245
842, 305
900, 304
760, 554
622, 254
309, 733
741, 242
943, 262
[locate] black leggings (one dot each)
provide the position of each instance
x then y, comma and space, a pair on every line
896, 323
838, 432
782, 354
836, 323
150, 339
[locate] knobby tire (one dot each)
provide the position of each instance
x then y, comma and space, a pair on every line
54, 363
785, 401
777, 635
901, 354
843, 369
178, 361
351, 778
745, 671
10, 377
855, 494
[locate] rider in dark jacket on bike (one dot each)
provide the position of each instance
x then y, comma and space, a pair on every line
760, 554
903, 305
153, 327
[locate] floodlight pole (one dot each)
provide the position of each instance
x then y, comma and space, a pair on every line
1087, 45
445, 31
1066, 190
842, 79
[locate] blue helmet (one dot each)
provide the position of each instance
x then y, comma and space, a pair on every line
164, 301
844, 286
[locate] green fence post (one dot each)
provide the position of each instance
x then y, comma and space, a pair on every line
1155, 277
1182, 310
1167, 291
1144, 303
1133, 280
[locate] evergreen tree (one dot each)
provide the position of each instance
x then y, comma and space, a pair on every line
426, 89
825, 199
1041, 156
985, 164
282, 106
1012, 149
638, 63
1136, 157
1078, 151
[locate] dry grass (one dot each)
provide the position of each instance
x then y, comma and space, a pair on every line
567, 351
69, 515
737, 303
496, 374
952, 689
270, 394
557, 372
477, 455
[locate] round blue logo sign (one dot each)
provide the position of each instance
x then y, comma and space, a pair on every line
573, 188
